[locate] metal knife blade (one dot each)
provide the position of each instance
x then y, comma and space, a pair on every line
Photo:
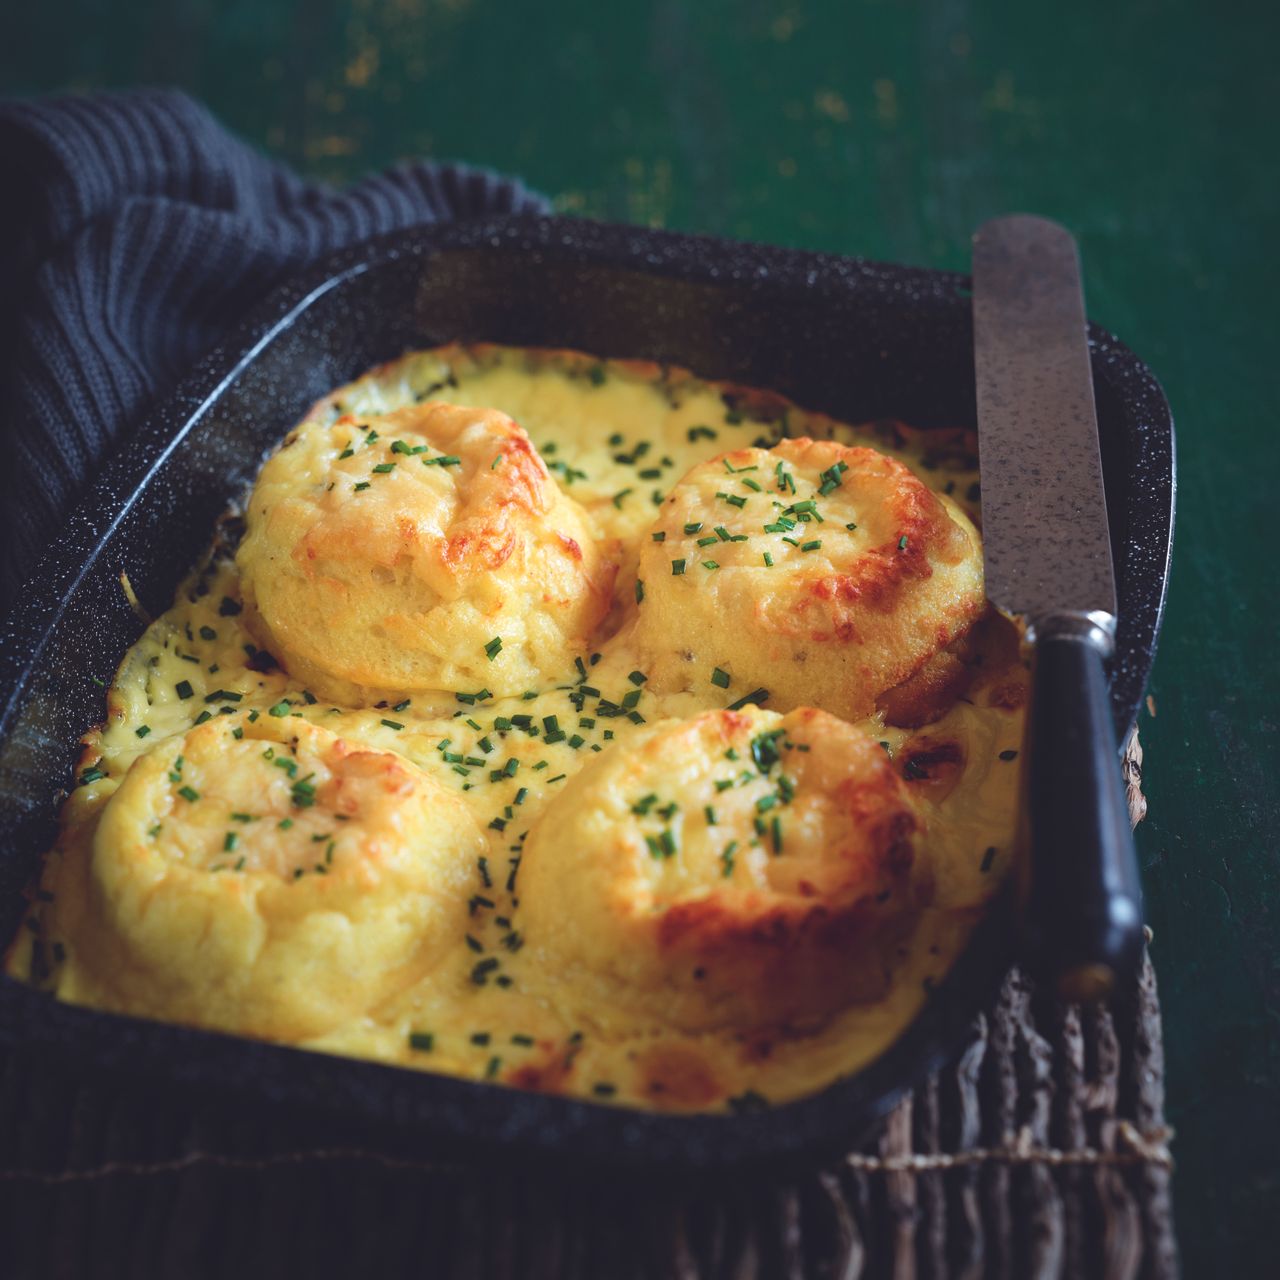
1046, 538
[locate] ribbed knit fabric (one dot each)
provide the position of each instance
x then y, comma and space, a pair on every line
133, 231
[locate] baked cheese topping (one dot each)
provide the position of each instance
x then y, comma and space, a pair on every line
573, 724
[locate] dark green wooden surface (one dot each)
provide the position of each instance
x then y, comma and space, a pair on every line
891, 129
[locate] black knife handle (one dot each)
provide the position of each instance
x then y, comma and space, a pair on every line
1083, 908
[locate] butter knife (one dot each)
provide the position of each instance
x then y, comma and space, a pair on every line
1047, 553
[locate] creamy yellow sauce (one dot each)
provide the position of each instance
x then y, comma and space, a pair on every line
616, 436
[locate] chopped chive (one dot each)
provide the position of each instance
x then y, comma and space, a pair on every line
281, 709
183, 689
756, 695
393, 724
422, 1041
902, 543
720, 678
768, 560
230, 841
493, 648
142, 730
811, 546
726, 858
364, 484
659, 536
677, 568
693, 527
639, 591
190, 794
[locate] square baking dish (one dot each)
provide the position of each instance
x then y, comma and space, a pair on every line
856, 339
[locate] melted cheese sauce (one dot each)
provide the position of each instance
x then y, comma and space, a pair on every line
617, 436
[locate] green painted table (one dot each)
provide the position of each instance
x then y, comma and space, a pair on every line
891, 129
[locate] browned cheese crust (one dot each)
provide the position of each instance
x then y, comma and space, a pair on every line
384, 561
821, 572
739, 869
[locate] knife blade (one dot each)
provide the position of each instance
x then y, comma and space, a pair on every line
1047, 557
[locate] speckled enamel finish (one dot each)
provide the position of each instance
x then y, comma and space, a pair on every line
853, 338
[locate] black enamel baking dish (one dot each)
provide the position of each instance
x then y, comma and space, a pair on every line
856, 339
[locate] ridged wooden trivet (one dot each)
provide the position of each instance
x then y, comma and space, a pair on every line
1041, 1152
